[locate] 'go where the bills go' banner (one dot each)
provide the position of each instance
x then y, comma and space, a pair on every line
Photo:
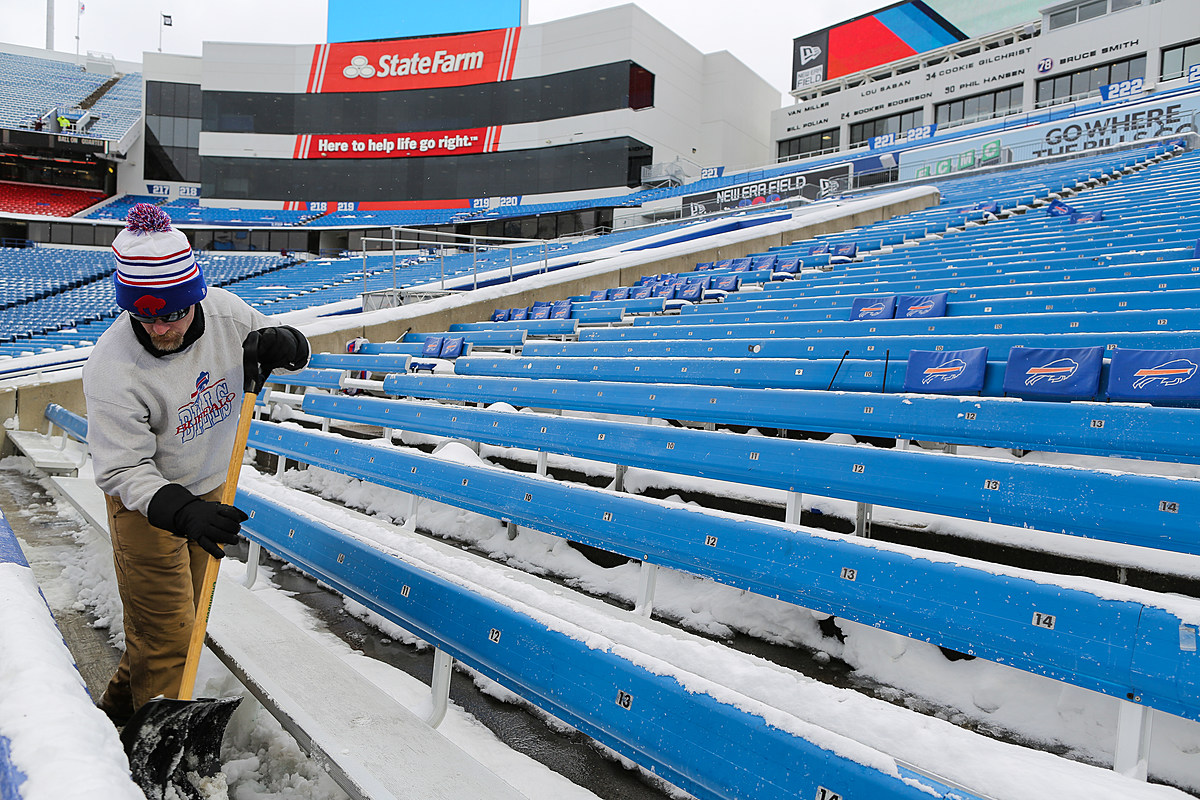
814, 185
1112, 126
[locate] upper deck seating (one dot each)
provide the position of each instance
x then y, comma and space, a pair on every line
47, 201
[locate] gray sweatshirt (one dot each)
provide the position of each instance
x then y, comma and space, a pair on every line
170, 419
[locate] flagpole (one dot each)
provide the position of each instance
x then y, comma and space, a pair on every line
160, 31
78, 14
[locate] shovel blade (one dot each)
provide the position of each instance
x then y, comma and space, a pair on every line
171, 743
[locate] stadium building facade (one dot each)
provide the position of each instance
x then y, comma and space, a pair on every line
574, 108
913, 73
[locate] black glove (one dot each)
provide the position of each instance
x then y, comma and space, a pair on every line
274, 348
208, 523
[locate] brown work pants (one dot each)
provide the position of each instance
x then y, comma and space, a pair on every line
159, 576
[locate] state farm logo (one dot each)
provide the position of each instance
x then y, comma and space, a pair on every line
398, 65
359, 68
809, 53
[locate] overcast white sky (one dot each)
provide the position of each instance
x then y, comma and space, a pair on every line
759, 32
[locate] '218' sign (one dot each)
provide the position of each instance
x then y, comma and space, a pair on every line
321, 206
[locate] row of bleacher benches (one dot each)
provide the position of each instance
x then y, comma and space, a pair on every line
608, 693
1063, 637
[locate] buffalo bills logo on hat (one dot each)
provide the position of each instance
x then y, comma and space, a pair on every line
1171, 373
944, 372
1054, 372
149, 306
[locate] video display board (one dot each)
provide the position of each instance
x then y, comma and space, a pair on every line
356, 20
901, 30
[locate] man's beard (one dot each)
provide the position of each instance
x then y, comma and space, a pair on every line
168, 342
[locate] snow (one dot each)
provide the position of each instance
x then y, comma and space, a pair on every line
263, 762
65, 746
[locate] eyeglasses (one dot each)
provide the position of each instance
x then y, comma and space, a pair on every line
174, 316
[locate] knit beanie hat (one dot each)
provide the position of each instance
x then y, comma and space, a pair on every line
156, 271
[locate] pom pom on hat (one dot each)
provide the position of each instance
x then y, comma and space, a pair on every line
145, 218
156, 273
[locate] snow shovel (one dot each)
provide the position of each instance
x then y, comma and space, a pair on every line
169, 740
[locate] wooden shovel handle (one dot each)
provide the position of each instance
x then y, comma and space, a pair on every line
213, 565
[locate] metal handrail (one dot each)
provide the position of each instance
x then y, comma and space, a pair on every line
473, 243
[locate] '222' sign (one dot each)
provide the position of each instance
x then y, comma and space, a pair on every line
1122, 90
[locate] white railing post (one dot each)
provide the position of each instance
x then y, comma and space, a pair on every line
618, 482
862, 520
439, 686
252, 565
791, 514
645, 601
410, 519
1132, 754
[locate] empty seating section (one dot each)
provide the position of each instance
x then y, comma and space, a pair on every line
1022, 280
52, 298
1026, 271
47, 201
33, 86
118, 207
119, 108
970, 200
765, 357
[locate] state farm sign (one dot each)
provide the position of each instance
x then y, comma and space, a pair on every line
399, 64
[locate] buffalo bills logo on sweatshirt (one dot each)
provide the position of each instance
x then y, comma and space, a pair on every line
209, 405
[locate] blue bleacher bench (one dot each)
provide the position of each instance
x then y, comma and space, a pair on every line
495, 338
360, 362
1103, 429
707, 745
543, 327
851, 375
1153, 511
1041, 323
860, 347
